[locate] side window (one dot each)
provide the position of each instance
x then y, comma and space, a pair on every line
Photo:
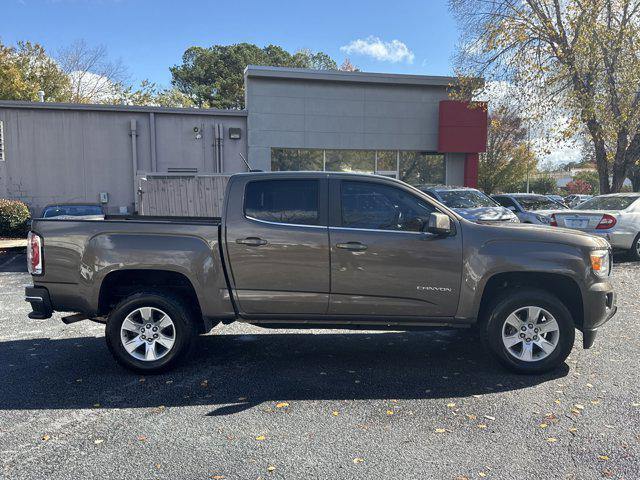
283, 201
505, 201
382, 207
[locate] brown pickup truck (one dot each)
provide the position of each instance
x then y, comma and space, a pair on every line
322, 250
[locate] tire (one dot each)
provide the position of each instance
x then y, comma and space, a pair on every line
634, 252
536, 355
149, 355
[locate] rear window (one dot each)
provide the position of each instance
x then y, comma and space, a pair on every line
538, 203
283, 201
607, 203
71, 210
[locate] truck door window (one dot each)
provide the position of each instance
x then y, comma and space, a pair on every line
381, 207
283, 201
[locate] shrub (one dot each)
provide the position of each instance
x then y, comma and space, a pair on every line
14, 218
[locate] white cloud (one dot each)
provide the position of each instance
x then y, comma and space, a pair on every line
394, 51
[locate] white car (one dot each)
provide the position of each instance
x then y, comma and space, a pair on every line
615, 217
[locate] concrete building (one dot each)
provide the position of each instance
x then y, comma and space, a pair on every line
174, 161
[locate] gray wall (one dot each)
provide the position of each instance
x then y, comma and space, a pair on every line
57, 153
307, 113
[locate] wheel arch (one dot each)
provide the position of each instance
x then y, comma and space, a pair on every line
565, 288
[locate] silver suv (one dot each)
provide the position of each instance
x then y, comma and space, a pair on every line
471, 204
529, 207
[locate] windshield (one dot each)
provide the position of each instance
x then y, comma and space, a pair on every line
538, 203
465, 199
71, 210
607, 203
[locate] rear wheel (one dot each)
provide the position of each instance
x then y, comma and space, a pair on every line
530, 332
634, 252
150, 332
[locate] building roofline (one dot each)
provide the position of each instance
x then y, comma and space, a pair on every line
119, 108
355, 77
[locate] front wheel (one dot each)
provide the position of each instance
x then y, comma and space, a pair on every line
149, 332
530, 331
634, 252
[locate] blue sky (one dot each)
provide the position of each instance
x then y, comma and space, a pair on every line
149, 36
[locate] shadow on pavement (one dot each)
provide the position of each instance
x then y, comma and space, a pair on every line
231, 373
11, 262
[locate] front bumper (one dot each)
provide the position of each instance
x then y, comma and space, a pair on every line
40, 302
599, 306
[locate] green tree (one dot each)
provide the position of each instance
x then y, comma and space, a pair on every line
591, 178
214, 76
508, 156
581, 55
26, 69
543, 184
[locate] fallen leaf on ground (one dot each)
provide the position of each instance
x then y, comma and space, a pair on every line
451, 405
45, 438
552, 440
142, 438
335, 413
282, 405
482, 474
543, 425
489, 417
358, 460
482, 426
471, 417
270, 468
260, 438
603, 457
573, 429
98, 441
204, 383
441, 430
579, 407
389, 412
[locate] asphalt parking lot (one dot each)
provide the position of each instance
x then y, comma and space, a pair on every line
253, 403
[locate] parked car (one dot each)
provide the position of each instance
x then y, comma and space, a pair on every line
615, 217
472, 204
574, 200
529, 207
86, 211
322, 250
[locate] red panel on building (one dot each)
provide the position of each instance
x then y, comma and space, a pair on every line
462, 127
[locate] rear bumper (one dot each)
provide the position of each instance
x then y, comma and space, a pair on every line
40, 302
599, 307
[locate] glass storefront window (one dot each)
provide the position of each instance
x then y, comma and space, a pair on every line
415, 168
361, 161
387, 161
419, 168
296, 159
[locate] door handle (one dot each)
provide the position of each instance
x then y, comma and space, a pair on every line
353, 246
251, 241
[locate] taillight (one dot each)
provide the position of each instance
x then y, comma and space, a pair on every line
607, 221
554, 221
34, 254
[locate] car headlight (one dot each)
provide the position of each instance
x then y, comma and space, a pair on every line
514, 219
600, 262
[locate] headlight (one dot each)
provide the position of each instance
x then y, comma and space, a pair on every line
514, 219
600, 262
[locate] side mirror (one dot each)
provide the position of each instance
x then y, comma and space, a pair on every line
439, 224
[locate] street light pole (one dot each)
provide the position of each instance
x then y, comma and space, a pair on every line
528, 150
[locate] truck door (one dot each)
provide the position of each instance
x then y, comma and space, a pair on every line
382, 263
277, 244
